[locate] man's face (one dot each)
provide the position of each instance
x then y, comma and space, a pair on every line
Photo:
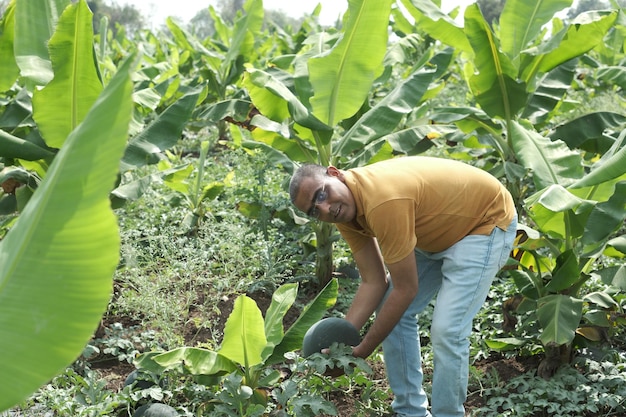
326, 198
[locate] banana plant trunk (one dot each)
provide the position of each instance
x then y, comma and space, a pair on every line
324, 260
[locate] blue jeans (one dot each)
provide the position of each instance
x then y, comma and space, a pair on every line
460, 276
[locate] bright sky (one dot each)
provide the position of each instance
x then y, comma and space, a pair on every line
158, 10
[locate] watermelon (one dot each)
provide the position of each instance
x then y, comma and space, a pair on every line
136, 378
328, 331
155, 410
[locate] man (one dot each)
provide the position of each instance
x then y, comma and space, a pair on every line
438, 227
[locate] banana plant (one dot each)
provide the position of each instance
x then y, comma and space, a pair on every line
518, 71
218, 61
36, 121
55, 108
323, 107
194, 192
59, 258
251, 344
578, 217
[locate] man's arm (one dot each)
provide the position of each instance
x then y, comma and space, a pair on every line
405, 285
373, 284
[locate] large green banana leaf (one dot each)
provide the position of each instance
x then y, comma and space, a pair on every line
313, 312
14, 147
385, 116
274, 86
63, 103
161, 134
244, 31
551, 162
437, 24
35, 22
589, 131
494, 82
552, 210
559, 316
196, 361
57, 262
582, 35
609, 169
522, 20
244, 333
549, 93
282, 300
606, 218
342, 78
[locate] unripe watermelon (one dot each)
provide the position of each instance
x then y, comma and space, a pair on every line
328, 331
135, 378
155, 410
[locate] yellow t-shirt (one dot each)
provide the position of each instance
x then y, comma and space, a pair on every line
423, 202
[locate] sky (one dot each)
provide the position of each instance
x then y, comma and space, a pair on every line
159, 10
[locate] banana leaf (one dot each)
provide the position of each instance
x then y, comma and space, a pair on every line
300, 113
57, 262
282, 299
244, 333
163, 133
522, 21
437, 24
35, 22
63, 103
559, 316
565, 273
582, 35
549, 93
385, 116
613, 75
606, 217
588, 131
611, 167
551, 162
342, 78
494, 83
196, 361
312, 313
14, 147
9, 70
559, 213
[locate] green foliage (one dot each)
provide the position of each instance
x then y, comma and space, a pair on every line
250, 340
122, 343
519, 78
541, 107
70, 393
597, 389
67, 218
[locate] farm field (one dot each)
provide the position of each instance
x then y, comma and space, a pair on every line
149, 252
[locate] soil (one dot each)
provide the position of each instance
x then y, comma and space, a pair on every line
115, 372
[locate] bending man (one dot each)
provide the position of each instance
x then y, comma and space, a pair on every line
439, 227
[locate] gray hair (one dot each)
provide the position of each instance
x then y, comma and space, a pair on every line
304, 171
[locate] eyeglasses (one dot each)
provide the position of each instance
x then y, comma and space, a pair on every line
319, 198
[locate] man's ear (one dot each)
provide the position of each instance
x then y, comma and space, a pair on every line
334, 172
